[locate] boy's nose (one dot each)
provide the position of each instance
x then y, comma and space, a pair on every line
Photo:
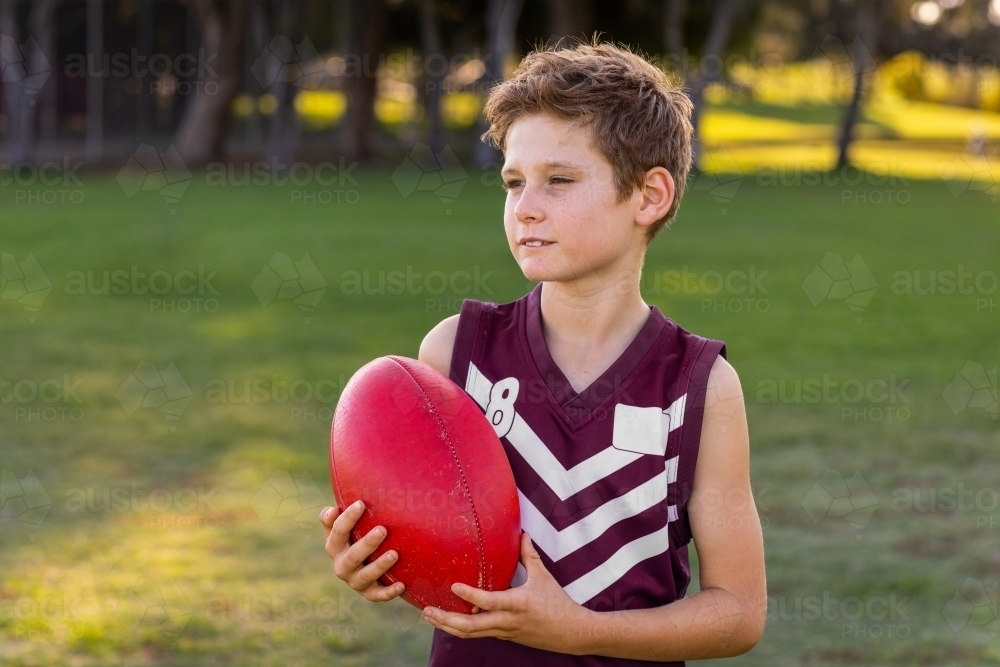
527, 210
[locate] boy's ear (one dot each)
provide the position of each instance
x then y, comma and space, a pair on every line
656, 196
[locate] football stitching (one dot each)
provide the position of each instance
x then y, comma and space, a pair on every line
461, 472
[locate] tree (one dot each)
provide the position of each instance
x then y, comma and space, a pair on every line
501, 25
570, 18
25, 68
222, 26
283, 119
867, 21
14, 97
367, 43
434, 71
710, 68
41, 21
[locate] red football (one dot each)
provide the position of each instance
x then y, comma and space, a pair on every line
429, 467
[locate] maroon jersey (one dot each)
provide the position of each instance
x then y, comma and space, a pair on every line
603, 476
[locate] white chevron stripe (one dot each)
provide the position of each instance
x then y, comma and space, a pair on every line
563, 482
560, 543
613, 569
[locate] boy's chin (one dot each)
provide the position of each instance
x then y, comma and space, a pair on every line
539, 274
547, 276
581, 281
544, 272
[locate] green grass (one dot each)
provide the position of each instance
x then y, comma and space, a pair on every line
239, 577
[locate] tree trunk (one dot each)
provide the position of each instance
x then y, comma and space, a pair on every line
433, 67
144, 25
15, 97
710, 64
30, 81
862, 51
501, 17
258, 39
95, 84
341, 31
202, 132
42, 22
281, 130
851, 114
368, 18
673, 34
569, 18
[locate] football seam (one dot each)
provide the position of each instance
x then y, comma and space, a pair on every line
461, 472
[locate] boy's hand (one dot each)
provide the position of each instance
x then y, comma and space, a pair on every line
349, 559
538, 613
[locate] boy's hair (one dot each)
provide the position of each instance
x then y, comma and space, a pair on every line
638, 118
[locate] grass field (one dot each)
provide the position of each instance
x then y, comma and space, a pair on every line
164, 450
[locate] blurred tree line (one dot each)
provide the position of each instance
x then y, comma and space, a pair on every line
213, 77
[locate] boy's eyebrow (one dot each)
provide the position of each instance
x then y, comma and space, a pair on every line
553, 164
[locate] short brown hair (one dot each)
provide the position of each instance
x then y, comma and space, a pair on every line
638, 117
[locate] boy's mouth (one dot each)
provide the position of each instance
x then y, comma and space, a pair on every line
535, 243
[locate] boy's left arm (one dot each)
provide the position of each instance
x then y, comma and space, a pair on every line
725, 618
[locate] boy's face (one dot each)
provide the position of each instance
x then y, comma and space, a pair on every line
562, 217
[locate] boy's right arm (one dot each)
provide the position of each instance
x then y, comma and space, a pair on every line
349, 559
436, 349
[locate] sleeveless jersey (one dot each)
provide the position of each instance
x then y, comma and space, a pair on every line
603, 476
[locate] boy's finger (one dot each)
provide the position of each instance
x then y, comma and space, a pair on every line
385, 593
343, 524
529, 556
363, 548
489, 622
483, 600
326, 518
369, 574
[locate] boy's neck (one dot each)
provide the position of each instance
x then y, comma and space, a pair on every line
587, 327
599, 313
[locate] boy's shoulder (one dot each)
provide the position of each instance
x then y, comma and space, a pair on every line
437, 346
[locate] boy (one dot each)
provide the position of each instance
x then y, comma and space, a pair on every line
632, 435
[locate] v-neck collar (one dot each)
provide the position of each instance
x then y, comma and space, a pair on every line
578, 405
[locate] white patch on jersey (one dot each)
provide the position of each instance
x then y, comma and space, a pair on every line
640, 430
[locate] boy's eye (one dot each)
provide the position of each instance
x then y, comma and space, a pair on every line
516, 183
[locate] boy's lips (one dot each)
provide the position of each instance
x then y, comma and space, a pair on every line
532, 242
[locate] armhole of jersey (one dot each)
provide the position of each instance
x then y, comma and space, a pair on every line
703, 357
465, 340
